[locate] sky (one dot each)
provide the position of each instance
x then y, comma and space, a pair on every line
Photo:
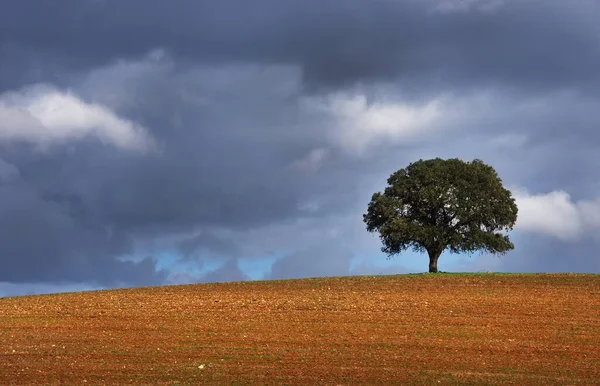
149, 142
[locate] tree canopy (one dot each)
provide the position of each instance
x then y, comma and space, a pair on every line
434, 205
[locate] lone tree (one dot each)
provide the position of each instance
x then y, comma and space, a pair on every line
437, 204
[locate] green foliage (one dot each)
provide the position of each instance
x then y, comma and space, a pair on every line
434, 205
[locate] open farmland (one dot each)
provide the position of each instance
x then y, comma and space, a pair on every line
408, 329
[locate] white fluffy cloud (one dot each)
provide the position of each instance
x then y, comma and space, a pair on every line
359, 124
451, 6
43, 115
556, 214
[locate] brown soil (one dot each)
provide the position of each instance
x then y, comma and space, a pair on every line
409, 329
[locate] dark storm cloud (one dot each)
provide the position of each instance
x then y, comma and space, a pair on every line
229, 271
536, 44
225, 163
562, 257
539, 253
48, 238
221, 86
208, 243
320, 260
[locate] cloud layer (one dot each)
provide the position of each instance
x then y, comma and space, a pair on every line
556, 214
145, 143
44, 115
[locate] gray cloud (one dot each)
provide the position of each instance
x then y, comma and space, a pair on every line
229, 271
273, 123
538, 254
216, 170
533, 43
20, 289
50, 238
319, 260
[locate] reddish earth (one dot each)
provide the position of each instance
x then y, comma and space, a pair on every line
408, 329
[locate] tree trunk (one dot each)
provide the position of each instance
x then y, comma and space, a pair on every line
433, 260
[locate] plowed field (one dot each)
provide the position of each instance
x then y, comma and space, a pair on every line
410, 329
